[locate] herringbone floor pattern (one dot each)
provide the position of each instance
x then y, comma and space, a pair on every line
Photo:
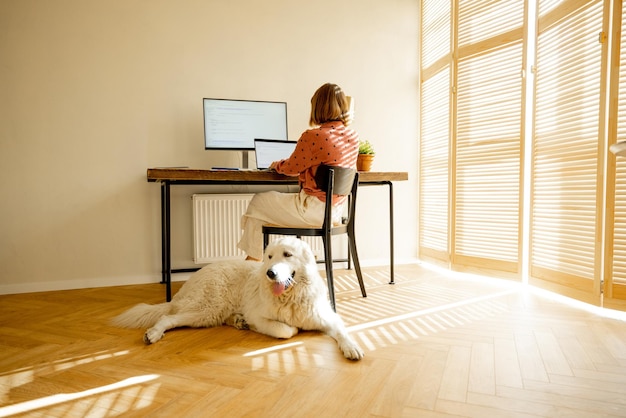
436, 346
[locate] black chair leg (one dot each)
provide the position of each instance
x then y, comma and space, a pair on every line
328, 261
357, 264
266, 240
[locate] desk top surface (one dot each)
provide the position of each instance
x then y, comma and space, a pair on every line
252, 176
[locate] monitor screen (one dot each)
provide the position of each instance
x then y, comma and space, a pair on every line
233, 124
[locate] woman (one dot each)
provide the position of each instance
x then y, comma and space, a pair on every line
331, 142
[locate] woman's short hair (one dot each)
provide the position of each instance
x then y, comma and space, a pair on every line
329, 103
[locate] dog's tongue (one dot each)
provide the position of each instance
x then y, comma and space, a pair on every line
278, 288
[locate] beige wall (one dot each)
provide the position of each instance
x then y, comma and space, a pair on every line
94, 92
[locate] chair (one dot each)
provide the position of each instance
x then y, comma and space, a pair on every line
334, 181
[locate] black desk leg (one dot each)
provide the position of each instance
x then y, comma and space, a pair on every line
166, 249
391, 237
163, 237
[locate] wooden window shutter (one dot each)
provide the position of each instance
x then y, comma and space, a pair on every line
435, 67
615, 284
486, 157
566, 194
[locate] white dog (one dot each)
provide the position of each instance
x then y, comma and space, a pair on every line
277, 297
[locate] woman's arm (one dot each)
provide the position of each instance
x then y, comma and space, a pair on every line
301, 158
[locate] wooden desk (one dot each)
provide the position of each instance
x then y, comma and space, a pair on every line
186, 176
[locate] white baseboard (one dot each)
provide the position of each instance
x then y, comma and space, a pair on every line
10, 289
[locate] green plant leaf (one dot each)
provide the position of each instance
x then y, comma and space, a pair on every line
365, 147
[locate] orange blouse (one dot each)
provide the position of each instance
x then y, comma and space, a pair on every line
332, 144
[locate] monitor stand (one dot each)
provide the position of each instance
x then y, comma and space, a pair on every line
245, 160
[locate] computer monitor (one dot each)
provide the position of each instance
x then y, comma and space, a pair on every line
234, 124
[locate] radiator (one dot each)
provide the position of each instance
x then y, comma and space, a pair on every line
217, 228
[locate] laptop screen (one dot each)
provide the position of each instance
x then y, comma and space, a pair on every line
269, 150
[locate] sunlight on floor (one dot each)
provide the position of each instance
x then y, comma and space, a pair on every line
123, 388
545, 294
270, 349
121, 396
414, 314
24, 376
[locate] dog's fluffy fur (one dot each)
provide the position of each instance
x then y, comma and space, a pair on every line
277, 297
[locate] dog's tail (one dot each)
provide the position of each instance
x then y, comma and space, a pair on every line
141, 315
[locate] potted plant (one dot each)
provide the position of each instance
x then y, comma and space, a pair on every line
366, 156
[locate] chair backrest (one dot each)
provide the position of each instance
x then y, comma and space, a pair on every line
337, 181
343, 179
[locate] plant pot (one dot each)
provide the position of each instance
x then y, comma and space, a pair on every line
364, 162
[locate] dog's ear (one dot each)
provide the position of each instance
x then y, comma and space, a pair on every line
305, 252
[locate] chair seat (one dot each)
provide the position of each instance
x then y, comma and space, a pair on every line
304, 231
335, 225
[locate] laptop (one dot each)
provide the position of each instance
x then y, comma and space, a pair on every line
269, 150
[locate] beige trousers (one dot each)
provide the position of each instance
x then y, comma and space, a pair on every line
285, 209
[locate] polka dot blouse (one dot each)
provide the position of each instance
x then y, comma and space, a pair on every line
331, 144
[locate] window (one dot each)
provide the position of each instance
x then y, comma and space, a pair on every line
566, 199
487, 139
494, 158
615, 260
435, 129
471, 107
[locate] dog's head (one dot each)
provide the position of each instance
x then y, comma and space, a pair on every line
287, 262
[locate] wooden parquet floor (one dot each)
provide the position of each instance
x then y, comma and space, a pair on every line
436, 346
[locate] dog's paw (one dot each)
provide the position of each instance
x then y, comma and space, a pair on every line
273, 328
284, 331
352, 351
293, 330
151, 336
237, 321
